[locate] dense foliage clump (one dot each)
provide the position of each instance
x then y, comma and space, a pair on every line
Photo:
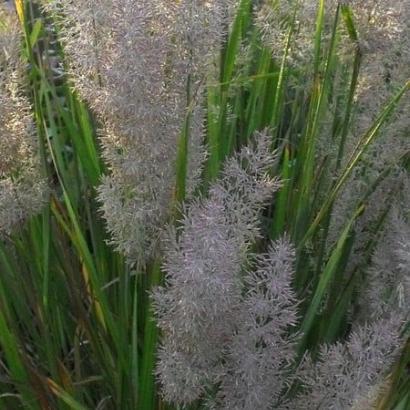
204, 204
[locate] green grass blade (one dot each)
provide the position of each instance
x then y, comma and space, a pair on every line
147, 379
363, 144
281, 205
325, 279
64, 396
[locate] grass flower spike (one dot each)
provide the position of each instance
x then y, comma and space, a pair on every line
139, 65
203, 260
22, 189
261, 352
349, 375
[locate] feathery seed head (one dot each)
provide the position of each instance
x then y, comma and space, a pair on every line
139, 65
261, 350
22, 189
387, 284
348, 373
196, 309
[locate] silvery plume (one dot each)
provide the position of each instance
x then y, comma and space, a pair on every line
380, 197
386, 287
200, 27
228, 316
349, 375
383, 30
22, 188
140, 66
275, 18
204, 257
260, 352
